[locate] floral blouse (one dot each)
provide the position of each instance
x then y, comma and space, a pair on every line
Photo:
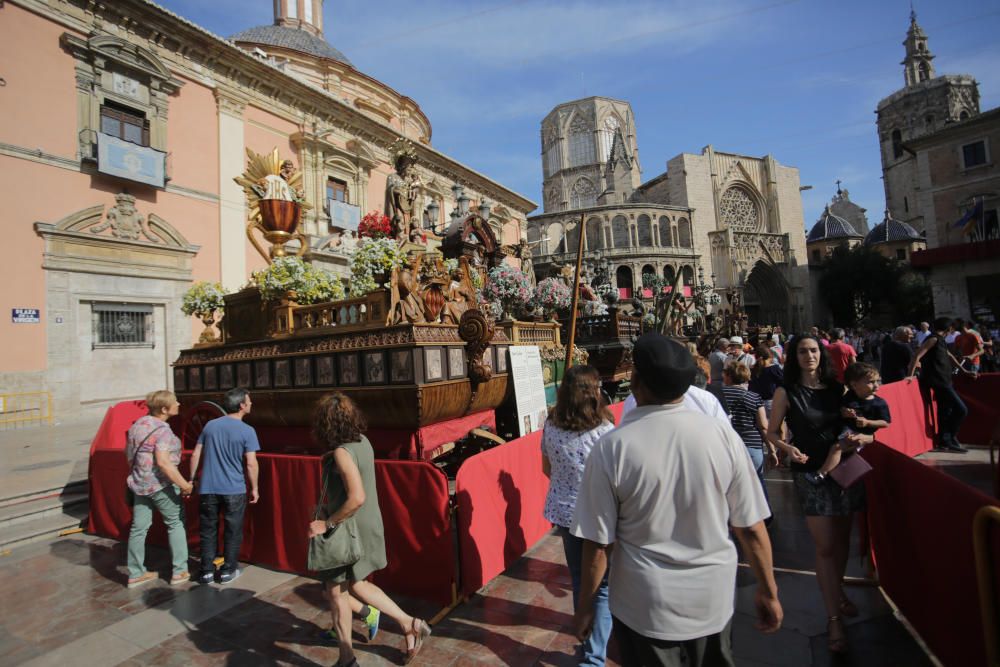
567, 452
148, 435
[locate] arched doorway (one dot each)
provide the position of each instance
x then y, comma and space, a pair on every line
765, 296
623, 278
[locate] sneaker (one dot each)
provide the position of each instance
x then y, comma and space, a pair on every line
332, 636
954, 448
206, 577
371, 622
135, 582
181, 578
227, 577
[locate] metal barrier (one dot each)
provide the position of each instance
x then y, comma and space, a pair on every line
25, 409
987, 581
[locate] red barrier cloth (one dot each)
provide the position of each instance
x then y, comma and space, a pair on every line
500, 495
407, 445
982, 397
114, 428
416, 513
920, 522
413, 497
908, 432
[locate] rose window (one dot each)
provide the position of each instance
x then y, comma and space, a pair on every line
739, 211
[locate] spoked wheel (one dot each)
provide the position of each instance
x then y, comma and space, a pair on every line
194, 420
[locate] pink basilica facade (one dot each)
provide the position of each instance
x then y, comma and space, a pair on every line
123, 127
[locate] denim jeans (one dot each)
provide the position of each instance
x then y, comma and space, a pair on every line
232, 508
168, 503
758, 458
951, 413
595, 648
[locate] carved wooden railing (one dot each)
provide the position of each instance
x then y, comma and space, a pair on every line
543, 334
365, 312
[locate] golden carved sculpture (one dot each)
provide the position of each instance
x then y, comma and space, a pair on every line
275, 201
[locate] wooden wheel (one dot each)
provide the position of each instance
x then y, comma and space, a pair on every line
194, 420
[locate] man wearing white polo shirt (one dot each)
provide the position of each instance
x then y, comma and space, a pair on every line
664, 488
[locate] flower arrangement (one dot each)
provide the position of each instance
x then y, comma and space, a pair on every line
375, 225
203, 298
558, 353
595, 308
509, 287
553, 294
290, 274
373, 261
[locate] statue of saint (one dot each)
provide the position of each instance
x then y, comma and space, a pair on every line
461, 295
402, 192
273, 186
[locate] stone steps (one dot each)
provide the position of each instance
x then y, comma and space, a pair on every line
42, 515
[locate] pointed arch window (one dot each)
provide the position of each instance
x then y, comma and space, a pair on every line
666, 237
923, 71
610, 125
581, 144
897, 144
644, 229
584, 194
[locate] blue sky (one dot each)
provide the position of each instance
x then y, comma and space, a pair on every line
799, 79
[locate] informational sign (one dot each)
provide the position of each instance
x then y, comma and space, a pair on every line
529, 387
25, 316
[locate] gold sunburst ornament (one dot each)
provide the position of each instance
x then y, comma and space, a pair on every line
275, 201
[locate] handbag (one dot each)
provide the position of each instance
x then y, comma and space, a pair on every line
850, 470
340, 545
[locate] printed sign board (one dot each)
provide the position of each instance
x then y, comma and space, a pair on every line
25, 316
529, 387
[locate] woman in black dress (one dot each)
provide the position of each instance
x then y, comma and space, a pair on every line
810, 402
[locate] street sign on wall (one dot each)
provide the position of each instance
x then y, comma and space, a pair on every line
25, 315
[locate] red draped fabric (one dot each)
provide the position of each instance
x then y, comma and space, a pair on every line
982, 397
920, 523
500, 495
410, 445
413, 497
118, 419
909, 431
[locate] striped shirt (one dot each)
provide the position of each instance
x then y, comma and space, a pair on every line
743, 406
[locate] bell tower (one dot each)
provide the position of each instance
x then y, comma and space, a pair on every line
304, 15
917, 66
925, 104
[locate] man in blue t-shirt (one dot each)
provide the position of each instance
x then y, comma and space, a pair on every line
226, 442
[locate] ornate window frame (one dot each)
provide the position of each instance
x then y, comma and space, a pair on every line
111, 69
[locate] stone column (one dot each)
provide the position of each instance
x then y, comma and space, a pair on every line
232, 201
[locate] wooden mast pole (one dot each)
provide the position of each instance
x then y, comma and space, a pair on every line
576, 298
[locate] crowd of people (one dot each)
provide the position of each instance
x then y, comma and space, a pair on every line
646, 510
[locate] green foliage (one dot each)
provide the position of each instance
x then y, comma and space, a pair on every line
858, 280
203, 298
310, 284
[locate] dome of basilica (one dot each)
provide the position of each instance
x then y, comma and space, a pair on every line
830, 226
290, 38
890, 230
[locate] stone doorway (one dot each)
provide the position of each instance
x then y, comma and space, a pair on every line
766, 296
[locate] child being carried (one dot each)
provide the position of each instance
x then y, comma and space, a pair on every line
863, 411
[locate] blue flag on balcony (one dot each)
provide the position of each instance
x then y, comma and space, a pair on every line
972, 218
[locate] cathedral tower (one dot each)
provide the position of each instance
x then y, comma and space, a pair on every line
589, 152
925, 104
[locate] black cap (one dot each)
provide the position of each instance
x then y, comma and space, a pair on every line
665, 366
